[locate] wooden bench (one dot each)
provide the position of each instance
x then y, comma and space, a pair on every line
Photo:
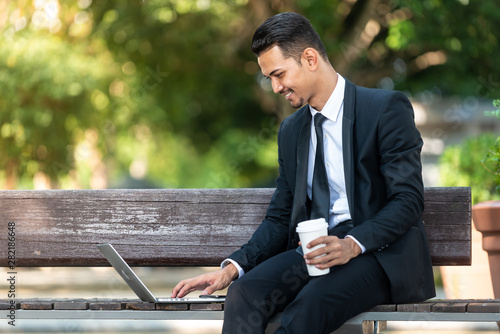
190, 227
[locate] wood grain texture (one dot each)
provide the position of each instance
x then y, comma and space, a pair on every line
178, 227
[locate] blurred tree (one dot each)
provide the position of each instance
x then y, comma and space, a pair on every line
195, 78
168, 92
54, 92
460, 166
448, 45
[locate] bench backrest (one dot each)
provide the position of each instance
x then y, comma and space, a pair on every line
178, 227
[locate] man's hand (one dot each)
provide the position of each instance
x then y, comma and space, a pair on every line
336, 251
209, 282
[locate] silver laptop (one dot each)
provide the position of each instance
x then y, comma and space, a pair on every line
140, 288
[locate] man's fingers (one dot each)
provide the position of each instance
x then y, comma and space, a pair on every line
329, 246
336, 252
177, 289
326, 261
329, 264
326, 239
208, 283
318, 252
180, 290
208, 291
184, 287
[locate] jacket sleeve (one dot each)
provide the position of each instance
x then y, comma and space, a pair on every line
398, 146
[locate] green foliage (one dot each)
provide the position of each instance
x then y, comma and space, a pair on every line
447, 26
194, 79
401, 34
492, 160
139, 88
168, 92
52, 94
494, 113
461, 166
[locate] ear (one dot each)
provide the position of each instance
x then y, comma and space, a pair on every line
310, 58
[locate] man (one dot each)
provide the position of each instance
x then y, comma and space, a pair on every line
376, 249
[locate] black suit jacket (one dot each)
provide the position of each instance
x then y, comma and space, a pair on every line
381, 151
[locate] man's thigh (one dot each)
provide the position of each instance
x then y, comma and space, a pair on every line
270, 286
332, 299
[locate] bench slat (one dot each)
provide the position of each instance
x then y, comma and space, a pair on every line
450, 307
178, 227
491, 307
417, 307
107, 305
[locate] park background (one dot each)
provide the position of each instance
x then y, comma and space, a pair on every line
167, 94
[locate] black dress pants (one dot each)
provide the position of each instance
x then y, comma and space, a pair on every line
312, 305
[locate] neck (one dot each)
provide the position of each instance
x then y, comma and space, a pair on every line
325, 85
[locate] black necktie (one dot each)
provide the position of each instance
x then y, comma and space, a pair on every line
320, 206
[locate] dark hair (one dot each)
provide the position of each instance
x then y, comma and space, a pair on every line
291, 32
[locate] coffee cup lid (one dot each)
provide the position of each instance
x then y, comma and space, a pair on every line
314, 224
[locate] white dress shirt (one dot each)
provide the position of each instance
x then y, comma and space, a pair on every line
334, 158
334, 163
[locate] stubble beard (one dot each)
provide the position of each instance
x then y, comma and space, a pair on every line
298, 104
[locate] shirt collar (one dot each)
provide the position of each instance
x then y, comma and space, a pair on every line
332, 108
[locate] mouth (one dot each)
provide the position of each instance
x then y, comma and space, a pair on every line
287, 95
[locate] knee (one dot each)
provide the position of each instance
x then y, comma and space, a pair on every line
234, 293
241, 294
253, 301
245, 290
241, 315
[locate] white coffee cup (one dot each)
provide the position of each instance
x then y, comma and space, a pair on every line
308, 231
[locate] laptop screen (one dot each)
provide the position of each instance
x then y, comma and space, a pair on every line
126, 273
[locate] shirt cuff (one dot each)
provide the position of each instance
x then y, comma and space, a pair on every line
227, 261
363, 248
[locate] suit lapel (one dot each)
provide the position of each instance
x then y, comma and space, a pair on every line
347, 143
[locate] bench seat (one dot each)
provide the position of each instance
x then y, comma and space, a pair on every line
194, 227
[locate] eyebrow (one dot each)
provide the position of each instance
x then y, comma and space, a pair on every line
274, 72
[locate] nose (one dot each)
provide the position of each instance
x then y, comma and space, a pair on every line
277, 87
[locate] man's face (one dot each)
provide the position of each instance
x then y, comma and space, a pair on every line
288, 78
